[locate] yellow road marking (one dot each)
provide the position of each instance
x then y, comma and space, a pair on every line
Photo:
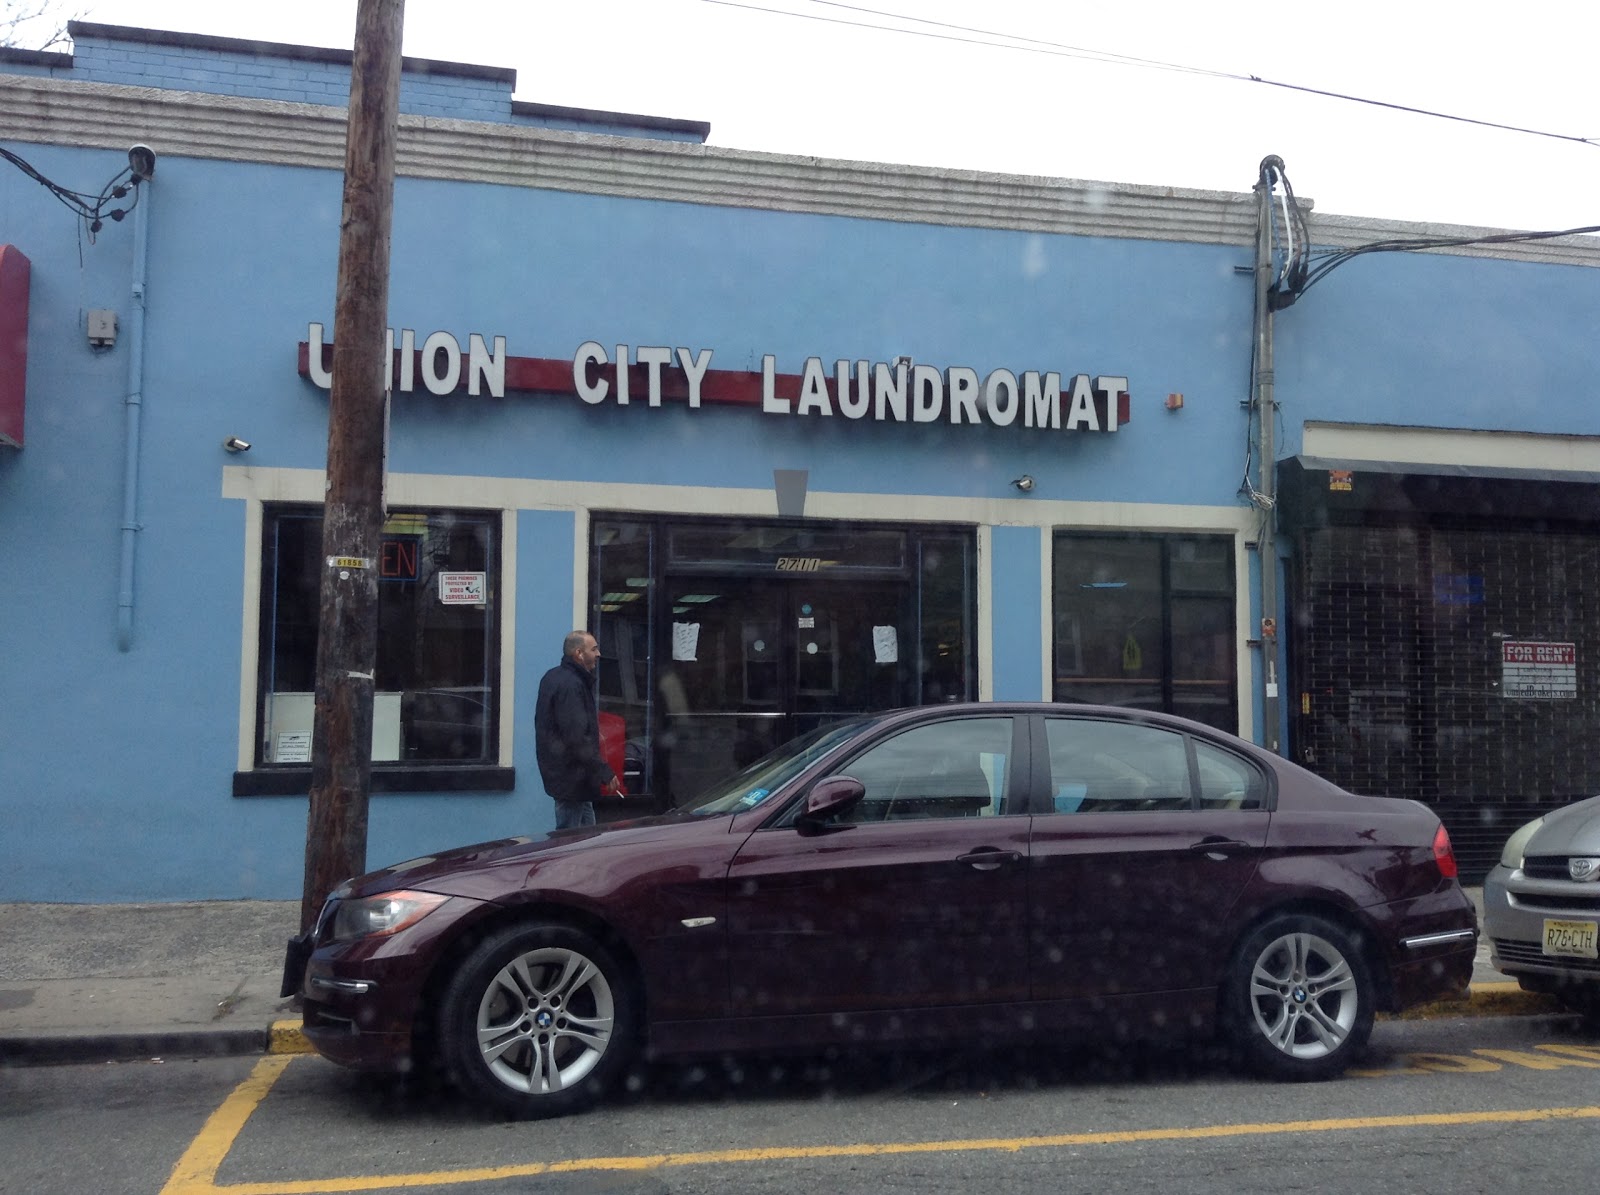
1482, 1061
1536, 1062
196, 1171
287, 1037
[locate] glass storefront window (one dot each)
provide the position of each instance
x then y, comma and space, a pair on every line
722, 639
436, 698
1146, 621
624, 561
764, 545
945, 605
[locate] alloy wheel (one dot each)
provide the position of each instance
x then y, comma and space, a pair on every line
545, 1020
1304, 995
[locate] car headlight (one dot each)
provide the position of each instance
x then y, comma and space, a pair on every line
386, 913
1511, 853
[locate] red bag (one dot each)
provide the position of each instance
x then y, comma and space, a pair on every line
613, 746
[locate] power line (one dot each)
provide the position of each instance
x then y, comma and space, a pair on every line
92, 209
1034, 45
1356, 99
1290, 288
1302, 266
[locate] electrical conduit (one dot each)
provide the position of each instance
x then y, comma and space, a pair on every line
135, 401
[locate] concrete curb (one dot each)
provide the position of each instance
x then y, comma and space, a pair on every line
48, 1049
1505, 999
287, 1036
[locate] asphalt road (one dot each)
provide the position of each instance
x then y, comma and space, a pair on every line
1446, 1105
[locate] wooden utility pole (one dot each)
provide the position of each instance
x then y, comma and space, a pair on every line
347, 629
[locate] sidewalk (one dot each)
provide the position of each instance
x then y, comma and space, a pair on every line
92, 983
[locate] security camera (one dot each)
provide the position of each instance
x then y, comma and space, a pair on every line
1024, 483
142, 162
235, 444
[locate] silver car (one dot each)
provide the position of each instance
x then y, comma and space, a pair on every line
1541, 907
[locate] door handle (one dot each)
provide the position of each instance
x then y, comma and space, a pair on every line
988, 858
1218, 847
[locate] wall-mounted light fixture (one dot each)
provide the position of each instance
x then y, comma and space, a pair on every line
142, 163
235, 444
1023, 483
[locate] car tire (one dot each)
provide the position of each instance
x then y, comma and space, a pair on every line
1297, 1002
538, 1020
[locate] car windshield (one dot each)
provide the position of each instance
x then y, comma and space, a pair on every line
772, 771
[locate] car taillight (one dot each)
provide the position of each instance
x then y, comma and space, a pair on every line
1444, 854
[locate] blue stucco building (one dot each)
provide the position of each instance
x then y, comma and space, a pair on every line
796, 438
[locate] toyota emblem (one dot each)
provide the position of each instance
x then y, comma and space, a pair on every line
1584, 869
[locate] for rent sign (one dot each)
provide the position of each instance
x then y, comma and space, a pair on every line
1538, 670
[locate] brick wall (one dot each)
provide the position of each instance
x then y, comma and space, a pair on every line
305, 81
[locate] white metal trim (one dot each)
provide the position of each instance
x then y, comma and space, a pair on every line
1451, 446
43, 110
508, 636
250, 636
524, 493
985, 630
1047, 620
580, 569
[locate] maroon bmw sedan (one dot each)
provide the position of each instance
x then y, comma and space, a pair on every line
961, 873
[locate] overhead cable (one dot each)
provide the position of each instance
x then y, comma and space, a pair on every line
1034, 45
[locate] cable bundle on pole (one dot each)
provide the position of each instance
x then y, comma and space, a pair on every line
93, 210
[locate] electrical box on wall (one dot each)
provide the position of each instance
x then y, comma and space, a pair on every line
102, 328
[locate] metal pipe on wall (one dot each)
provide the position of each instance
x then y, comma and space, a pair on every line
1265, 497
132, 406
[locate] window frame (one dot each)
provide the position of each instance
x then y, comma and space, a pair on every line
257, 777
1066, 652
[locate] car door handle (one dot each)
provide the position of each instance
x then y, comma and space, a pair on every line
988, 858
1219, 847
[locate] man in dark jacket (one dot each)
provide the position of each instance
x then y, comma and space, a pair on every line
566, 727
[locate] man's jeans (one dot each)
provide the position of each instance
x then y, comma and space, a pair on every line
571, 814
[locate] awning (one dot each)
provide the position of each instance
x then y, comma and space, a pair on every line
14, 273
1316, 491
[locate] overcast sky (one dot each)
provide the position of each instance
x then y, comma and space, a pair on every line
822, 84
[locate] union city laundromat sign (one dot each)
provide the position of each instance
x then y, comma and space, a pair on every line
893, 392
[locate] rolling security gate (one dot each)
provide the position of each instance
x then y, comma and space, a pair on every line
1452, 661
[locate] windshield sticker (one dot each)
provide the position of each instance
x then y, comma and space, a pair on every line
754, 797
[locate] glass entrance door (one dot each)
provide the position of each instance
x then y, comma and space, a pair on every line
754, 661
725, 637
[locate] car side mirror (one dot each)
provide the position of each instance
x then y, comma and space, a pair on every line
829, 797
